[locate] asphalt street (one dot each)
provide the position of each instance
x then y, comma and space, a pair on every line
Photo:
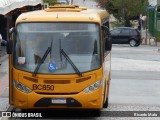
4, 80
135, 75
134, 85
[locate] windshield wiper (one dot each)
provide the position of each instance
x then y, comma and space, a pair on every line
71, 62
41, 61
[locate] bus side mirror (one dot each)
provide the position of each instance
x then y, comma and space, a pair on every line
12, 34
108, 41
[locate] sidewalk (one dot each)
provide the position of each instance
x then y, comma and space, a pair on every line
148, 39
4, 82
3, 54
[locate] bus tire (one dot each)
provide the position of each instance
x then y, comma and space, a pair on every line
105, 101
105, 105
24, 110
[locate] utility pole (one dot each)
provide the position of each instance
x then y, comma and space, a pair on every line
123, 12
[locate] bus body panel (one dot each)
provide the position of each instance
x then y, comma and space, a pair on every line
11, 96
75, 85
89, 15
92, 100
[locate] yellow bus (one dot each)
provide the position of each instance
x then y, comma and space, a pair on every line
60, 57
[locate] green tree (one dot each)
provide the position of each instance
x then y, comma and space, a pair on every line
103, 3
132, 8
51, 2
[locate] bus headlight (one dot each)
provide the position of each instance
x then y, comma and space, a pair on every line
22, 87
93, 87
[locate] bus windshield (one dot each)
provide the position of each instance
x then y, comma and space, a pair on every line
80, 41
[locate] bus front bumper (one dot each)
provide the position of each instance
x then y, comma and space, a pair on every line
92, 100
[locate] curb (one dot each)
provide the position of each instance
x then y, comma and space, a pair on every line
10, 108
3, 54
2, 59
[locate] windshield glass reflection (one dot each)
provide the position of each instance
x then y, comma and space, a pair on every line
80, 41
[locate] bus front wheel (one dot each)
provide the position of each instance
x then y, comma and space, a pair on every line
105, 105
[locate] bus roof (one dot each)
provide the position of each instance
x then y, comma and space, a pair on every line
67, 13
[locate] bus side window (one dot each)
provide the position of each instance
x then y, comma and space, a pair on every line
106, 39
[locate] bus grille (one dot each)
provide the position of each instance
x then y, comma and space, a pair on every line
57, 81
31, 79
46, 81
44, 93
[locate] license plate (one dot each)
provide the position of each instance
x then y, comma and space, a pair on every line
58, 101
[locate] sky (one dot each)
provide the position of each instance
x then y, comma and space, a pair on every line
153, 2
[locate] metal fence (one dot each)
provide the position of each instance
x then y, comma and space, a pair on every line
154, 23
152, 16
